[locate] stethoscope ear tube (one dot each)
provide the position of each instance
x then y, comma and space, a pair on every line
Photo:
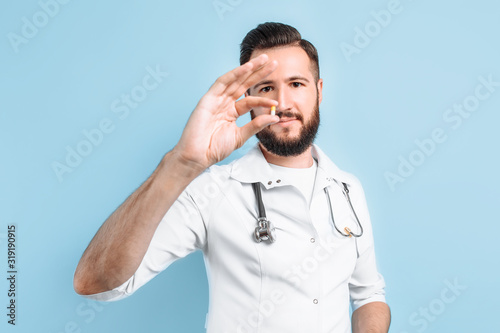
348, 232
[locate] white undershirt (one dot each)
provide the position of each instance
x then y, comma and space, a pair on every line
301, 178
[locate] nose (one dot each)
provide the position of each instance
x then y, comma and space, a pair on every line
284, 98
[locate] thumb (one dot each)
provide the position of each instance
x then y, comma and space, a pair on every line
256, 125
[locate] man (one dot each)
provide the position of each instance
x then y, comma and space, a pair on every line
300, 282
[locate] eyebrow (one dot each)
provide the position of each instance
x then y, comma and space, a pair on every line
298, 78
291, 78
263, 83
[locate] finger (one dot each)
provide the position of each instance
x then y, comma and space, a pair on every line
239, 73
256, 125
246, 104
238, 87
255, 78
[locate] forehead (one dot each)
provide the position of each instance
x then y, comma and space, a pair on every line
292, 60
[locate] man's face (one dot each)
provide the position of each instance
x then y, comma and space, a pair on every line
293, 85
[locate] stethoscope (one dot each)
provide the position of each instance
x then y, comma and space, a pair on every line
265, 230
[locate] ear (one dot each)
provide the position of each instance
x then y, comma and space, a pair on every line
320, 90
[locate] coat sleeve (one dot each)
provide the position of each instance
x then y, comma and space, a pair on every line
366, 284
181, 231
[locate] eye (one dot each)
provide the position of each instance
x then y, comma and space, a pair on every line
265, 89
297, 84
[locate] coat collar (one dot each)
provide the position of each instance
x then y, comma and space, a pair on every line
253, 168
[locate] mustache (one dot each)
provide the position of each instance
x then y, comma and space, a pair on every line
289, 114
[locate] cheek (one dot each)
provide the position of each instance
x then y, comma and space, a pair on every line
308, 103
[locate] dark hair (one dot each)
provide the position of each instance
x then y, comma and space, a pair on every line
271, 34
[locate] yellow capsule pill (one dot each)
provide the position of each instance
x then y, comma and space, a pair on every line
273, 110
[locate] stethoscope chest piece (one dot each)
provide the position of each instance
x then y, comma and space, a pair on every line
264, 231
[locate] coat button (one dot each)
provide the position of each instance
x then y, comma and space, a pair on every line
312, 240
269, 182
278, 181
315, 301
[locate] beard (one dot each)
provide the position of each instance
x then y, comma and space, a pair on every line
281, 144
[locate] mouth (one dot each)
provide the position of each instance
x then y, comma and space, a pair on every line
284, 119
287, 121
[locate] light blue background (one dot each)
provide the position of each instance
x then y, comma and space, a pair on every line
437, 226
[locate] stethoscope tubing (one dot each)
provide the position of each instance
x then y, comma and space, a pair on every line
348, 231
265, 231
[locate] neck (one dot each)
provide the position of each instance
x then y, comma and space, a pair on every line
304, 160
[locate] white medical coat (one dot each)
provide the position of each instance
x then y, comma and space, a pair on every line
301, 283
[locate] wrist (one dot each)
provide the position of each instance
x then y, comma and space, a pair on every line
180, 166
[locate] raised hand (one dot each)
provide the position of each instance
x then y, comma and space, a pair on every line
211, 133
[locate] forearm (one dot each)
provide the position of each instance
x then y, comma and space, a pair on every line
374, 317
117, 249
